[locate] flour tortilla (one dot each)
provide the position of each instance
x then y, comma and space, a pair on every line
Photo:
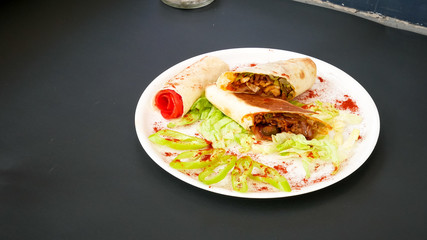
243, 107
190, 83
300, 73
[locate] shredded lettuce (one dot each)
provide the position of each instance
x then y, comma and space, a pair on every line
339, 120
197, 111
324, 111
214, 126
346, 148
288, 144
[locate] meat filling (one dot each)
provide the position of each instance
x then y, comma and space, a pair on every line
263, 85
269, 124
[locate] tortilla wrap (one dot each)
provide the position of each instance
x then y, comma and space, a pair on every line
266, 116
284, 79
180, 92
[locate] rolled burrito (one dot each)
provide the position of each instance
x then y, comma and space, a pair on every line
180, 92
281, 79
266, 116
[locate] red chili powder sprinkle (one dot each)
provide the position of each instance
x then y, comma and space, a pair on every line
168, 154
244, 65
309, 94
347, 104
205, 158
318, 180
306, 182
172, 85
172, 139
209, 144
259, 175
307, 106
192, 174
229, 152
312, 94
336, 168
316, 167
261, 189
157, 127
207, 141
321, 79
281, 169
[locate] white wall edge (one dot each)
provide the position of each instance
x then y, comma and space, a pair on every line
376, 17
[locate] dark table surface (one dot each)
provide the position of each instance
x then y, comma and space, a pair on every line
71, 165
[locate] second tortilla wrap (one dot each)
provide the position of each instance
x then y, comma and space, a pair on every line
266, 116
181, 91
284, 79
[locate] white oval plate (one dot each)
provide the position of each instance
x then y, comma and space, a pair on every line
145, 115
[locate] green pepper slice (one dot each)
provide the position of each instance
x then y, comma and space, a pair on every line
240, 173
195, 159
177, 140
271, 176
228, 160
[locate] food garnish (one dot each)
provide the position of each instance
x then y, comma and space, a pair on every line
223, 147
222, 133
180, 91
177, 140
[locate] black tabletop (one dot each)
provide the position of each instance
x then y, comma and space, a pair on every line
71, 165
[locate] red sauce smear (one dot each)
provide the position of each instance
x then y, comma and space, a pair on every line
169, 103
347, 104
